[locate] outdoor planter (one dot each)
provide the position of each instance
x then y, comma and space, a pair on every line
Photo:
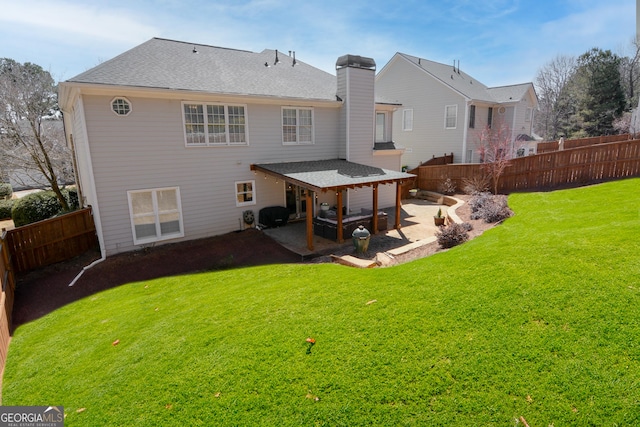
439, 219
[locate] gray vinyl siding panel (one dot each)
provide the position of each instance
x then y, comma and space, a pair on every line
412, 87
80, 147
361, 110
342, 118
146, 150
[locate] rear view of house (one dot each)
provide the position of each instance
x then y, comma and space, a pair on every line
443, 109
174, 140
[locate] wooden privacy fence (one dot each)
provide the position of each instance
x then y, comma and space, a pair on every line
36, 245
545, 147
549, 170
6, 300
52, 240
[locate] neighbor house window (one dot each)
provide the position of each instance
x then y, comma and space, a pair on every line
155, 214
121, 106
245, 193
297, 126
472, 116
451, 116
490, 118
381, 134
529, 113
407, 119
214, 124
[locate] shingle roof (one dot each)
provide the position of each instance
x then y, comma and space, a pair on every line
334, 173
510, 93
468, 86
168, 64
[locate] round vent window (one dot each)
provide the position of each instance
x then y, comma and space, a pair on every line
121, 106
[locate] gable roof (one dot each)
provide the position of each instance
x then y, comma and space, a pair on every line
466, 85
168, 64
512, 93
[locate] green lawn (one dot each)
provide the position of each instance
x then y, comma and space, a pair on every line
539, 318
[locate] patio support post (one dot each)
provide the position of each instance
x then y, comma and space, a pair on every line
398, 204
374, 221
309, 208
340, 237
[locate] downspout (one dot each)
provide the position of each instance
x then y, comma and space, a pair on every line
513, 130
347, 75
465, 133
95, 209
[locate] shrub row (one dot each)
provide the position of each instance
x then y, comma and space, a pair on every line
41, 205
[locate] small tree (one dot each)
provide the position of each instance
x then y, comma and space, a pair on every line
31, 136
496, 149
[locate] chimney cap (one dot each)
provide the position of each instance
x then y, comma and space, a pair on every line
355, 61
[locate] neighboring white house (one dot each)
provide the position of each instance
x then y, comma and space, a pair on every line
443, 109
176, 141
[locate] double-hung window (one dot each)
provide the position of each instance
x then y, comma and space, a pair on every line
245, 193
156, 214
297, 125
451, 116
381, 131
214, 124
407, 119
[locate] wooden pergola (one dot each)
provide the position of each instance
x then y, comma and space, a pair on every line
336, 175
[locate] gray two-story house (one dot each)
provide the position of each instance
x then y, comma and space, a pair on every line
176, 141
444, 110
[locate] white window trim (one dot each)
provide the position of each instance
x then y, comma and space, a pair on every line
227, 143
446, 109
235, 190
313, 125
407, 119
124, 99
156, 213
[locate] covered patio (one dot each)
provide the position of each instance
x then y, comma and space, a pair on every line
417, 228
336, 175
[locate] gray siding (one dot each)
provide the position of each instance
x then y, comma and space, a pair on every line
356, 86
146, 150
405, 83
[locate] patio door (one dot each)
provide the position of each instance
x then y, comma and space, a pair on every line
296, 198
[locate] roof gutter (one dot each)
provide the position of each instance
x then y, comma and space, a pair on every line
182, 94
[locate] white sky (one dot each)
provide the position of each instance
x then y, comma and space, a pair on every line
498, 42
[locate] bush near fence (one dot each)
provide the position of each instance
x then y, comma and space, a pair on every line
569, 167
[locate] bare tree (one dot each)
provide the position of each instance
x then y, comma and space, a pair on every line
496, 148
629, 72
31, 135
552, 85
